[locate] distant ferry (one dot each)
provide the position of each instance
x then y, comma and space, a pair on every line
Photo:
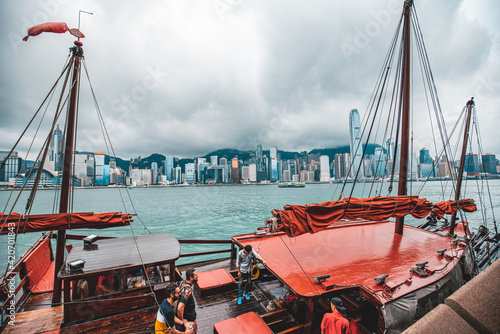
291, 185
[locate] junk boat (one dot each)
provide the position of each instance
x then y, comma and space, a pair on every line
358, 250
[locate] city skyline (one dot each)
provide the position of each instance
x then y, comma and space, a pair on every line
241, 73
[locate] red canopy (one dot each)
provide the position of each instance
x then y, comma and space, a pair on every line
56, 27
299, 219
62, 221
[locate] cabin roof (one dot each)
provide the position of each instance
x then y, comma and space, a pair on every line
353, 254
122, 253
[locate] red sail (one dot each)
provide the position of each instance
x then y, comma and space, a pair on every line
56, 27
62, 221
299, 219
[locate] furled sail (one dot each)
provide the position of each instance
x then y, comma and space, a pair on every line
295, 220
55, 27
61, 221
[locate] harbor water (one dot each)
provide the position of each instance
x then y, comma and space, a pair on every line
217, 212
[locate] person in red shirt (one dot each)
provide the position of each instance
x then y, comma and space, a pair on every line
353, 325
335, 323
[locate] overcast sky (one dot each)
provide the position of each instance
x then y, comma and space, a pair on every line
189, 77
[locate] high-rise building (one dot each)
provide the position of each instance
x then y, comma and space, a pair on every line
259, 159
99, 168
190, 173
223, 161
253, 172
355, 143
425, 157
56, 149
324, 161
489, 163
390, 147
379, 162
202, 171
168, 167
213, 160
245, 173
472, 166
273, 152
12, 166
178, 174
154, 168
235, 170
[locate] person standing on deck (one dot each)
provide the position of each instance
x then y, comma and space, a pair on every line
335, 323
165, 318
244, 264
186, 308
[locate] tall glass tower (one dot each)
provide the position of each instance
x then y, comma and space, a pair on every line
168, 167
56, 145
274, 163
355, 143
260, 161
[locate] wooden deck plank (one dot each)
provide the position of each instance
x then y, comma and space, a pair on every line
37, 321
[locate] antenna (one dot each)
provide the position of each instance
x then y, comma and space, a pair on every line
79, 13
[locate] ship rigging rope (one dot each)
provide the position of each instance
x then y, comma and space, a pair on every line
110, 149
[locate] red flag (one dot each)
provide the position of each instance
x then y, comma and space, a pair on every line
56, 27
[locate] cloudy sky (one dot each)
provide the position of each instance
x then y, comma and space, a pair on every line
189, 77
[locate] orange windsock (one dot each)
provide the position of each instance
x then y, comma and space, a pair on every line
56, 27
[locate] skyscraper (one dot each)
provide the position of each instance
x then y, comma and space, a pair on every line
273, 152
390, 148
324, 161
99, 168
425, 157
355, 143
190, 173
489, 163
235, 170
168, 167
259, 159
213, 160
56, 147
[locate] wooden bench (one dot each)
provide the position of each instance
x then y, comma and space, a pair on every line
248, 323
215, 281
39, 268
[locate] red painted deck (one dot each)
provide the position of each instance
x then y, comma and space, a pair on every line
353, 255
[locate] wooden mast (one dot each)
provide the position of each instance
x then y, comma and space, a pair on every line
67, 167
470, 104
405, 111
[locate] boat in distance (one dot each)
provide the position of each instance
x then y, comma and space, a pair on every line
291, 184
355, 249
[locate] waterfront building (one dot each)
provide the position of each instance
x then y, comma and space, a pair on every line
12, 166
245, 173
379, 160
356, 148
295, 178
99, 168
178, 175
273, 152
84, 168
259, 159
190, 171
426, 170
154, 168
168, 167
280, 171
324, 161
472, 166
489, 163
252, 170
223, 161
444, 170
425, 157
214, 160
139, 177
56, 150
339, 166
390, 147
202, 171
235, 170
367, 167
286, 175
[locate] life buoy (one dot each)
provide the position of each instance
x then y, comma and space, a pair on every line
255, 273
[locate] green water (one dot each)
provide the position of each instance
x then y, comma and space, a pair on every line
212, 212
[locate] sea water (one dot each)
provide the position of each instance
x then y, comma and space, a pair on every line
219, 212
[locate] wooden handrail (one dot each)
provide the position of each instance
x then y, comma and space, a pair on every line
206, 253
